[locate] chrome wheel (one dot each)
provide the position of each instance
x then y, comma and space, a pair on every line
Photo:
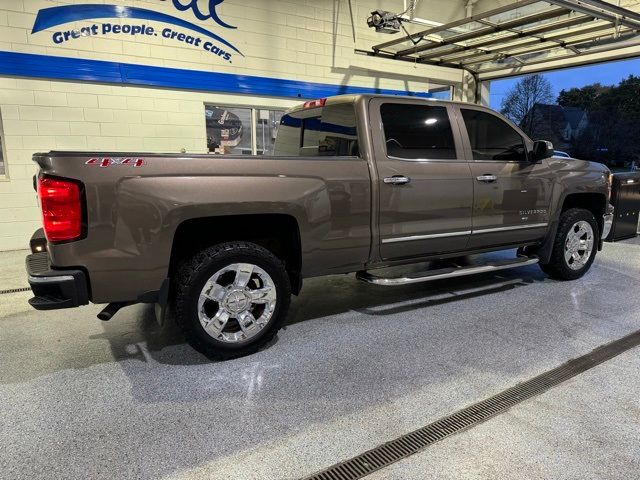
237, 302
579, 245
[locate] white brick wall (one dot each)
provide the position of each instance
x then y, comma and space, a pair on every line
127, 118
308, 40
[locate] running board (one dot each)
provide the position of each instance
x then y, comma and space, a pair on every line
443, 273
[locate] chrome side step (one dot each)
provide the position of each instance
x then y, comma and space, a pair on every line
443, 273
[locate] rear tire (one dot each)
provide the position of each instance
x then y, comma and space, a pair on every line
575, 245
231, 299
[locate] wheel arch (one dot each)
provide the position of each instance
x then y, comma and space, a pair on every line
594, 202
278, 233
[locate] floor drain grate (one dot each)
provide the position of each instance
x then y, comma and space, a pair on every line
15, 290
406, 445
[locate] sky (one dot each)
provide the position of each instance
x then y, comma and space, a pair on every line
604, 73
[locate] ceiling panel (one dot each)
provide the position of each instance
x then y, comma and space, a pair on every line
517, 33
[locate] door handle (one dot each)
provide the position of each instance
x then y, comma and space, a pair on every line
397, 180
487, 178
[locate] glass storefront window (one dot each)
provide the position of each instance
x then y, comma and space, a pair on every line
229, 130
267, 128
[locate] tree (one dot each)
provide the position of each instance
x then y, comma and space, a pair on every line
613, 134
585, 97
523, 96
616, 121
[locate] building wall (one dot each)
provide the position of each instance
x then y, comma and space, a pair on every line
306, 41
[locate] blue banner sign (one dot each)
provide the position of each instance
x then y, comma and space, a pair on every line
206, 40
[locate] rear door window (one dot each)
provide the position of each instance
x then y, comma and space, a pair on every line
492, 138
417, 132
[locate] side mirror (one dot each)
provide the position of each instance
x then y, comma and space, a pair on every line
541, 150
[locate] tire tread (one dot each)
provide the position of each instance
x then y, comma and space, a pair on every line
557, 267
188, 273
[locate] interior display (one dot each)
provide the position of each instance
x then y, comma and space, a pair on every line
228, 130
231, 130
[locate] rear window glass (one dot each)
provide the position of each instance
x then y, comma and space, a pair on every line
323, 131
417, 131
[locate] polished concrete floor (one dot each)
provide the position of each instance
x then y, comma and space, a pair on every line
356, 366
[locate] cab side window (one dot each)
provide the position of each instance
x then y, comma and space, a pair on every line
417, 132
492, 138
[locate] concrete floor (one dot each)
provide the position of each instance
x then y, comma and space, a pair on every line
633, 241
356, 366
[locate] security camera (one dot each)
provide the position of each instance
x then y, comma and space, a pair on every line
384, 22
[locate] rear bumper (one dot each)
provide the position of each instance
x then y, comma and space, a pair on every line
55, 289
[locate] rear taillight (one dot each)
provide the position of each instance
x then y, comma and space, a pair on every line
61, 209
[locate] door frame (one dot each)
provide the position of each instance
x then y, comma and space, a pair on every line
539, 228
378, 148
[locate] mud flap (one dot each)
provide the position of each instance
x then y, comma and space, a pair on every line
161, 312
544, 251
161, 306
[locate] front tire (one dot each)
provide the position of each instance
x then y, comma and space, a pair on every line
231, 299
575, 245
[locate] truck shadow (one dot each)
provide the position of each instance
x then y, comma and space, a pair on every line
349, 294
134, 335
320, 297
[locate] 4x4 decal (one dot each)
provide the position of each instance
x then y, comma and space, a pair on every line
107, 161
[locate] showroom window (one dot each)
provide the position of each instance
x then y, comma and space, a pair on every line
417, 132
492, 138
266, 129
241, 130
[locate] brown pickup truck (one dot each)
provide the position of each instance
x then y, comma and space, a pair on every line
356, 183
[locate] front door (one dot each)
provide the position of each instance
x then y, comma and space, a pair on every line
424, 184
512, 194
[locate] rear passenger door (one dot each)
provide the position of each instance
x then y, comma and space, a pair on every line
512, 195
425, 191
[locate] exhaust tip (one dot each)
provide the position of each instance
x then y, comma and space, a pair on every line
110, 310
105, 316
